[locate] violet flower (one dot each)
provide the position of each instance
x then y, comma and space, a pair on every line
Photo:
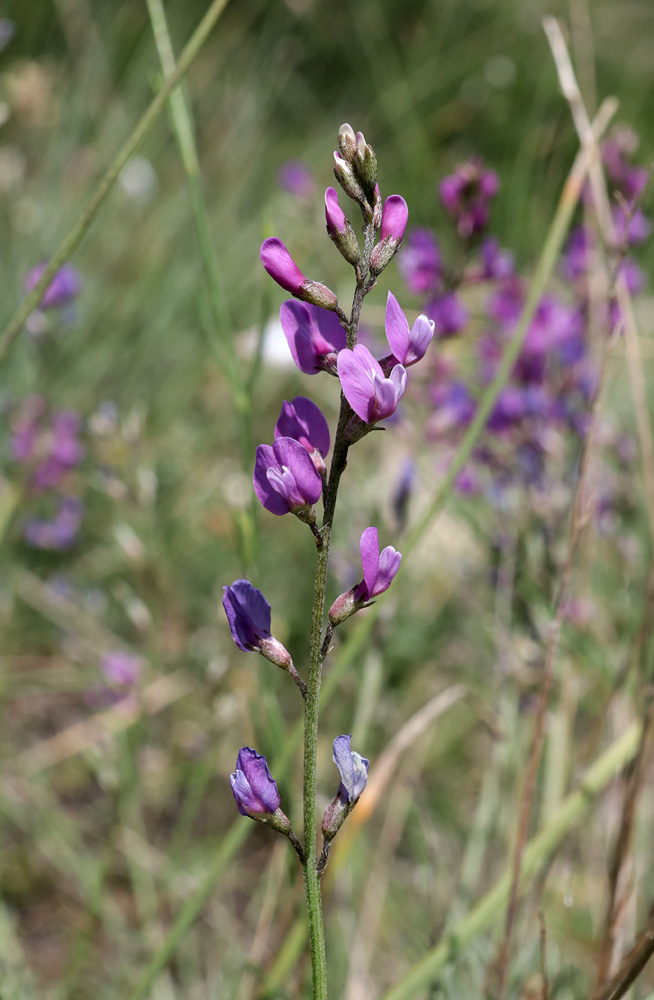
496, 263
379, 570
58, 533
395, 215
353, 769
64, 287
285, 479
408, 346
282, 268
314, 336
466, 195
296, 178
254, 789
121, 668
372, 396
303, 421
248, 616
420, 262
447, 314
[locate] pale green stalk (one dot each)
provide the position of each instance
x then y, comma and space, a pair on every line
489, 909
95, 202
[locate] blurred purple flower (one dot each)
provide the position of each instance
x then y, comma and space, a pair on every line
303, 421
448, 314
631, 228
420, 262
576, 256
296, 178
121, 668
408, 346
372, 396
314, 335
466, 196
58, 533
285, 479
505, 304
254, 789
64, 287
50, 451
496, 263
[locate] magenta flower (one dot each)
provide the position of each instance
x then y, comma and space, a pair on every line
420, 262
285, 479
395, 215
314, 336
379, 570
121, 668
303, 421
339, 228
48, 444
282, 268
448, 314
372, 396
64, 287
254, 789
408, 346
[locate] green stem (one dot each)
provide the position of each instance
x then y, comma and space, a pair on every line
488, 910
94, 203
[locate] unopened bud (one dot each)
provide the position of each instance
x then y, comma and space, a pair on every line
347, 142
340, 229
366, 165
318, 295
346, 177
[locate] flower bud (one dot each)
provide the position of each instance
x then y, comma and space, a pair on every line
395, 215
365, 164
348, 180
339, 228
347, 142
353, 769
282, 268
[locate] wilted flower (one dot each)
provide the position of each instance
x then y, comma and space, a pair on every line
285, 479
302, 420
372, 396
314, 336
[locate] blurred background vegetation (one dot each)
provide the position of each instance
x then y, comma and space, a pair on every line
105, 837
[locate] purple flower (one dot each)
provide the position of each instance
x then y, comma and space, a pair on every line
466, 195
285, 479
248, 616
64, 287
121, 668
505, 305
631, 227
395, 215
303, 421
496, 263
420, 262
509, 409
339, 228
352, 767
282, 268
58, 533
454, 408
50, 447
254, 789
576, 257
448, 314
379, 569
372, 396
314, 336
296, 178
408, 346
615, 153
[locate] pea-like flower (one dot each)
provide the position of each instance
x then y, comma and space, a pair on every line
282, 268
303, 421
285, 479
408, 345
314, 336
353, 769
395, 216
255, 790
379, 570
371, 395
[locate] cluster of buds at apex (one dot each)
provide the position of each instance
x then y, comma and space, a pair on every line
353, 769
282, 268
355, 168
379, 569
339, 228
394, 218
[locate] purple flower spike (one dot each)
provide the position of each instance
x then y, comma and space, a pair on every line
420, 262
408, 346
304, 421
64, 287
379, 569
371, 396
314, 336
254, 789
248, 614
352, 767
285, 479
282, 268
395, 215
